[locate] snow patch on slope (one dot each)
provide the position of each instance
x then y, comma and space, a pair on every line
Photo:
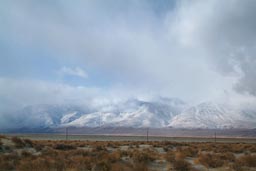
212, 115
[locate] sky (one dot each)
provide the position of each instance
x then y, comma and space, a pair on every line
92, 52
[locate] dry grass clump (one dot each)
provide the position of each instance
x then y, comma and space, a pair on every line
223, 148
26, 154
140, 167
64, 147
115, 156
28, 142
179, 155
2, 136
181, 165
210, 160
228, 157
8, 161
42, 164
99, 148
237, 148
18, 142
206, 146
247, 160
252, 148
236, 167
170, 156
187, 151
80, 163
102, 165
143, 156
177, 159
121, 167
38, 147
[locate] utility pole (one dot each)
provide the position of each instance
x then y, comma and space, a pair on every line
66, 133
100, 121
147, 134
215, 137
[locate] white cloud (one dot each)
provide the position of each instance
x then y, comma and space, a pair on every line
225, 32
189, 52
76, 71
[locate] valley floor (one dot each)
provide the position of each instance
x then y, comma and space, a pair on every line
23, 154
116, 137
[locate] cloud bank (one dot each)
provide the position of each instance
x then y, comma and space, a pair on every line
194, 50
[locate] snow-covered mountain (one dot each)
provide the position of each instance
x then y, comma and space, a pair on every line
46, 115
213, 115
162, 112
130, 113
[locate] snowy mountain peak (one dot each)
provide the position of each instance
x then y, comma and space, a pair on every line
161, 112
211, 115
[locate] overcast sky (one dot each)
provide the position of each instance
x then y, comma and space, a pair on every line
91, 52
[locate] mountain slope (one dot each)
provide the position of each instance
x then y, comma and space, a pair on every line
133, 113
130, 113
212, 115
159, 113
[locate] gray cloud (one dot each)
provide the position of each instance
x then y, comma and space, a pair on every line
226, 31
195, 50
128, 40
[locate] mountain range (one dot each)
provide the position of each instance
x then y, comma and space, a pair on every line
160, 113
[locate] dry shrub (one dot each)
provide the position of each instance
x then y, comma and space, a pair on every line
2, 136
252, 149
18, 142
121, 167
101, 155
237, 148
170, 156
78, 152
210, 160
247, 160
206, 147
8, 162
112, 145
115, 156
98, 148
190, 151
38, 147
64, 147
223, 148
80, 163
229, 157
6, 165
28, 142
1, 143
42, 164
103, 166
26, 154
179, 155
181, 165
143, 156
140, 167
236, 166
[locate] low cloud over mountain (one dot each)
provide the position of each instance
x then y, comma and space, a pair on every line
135, 113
